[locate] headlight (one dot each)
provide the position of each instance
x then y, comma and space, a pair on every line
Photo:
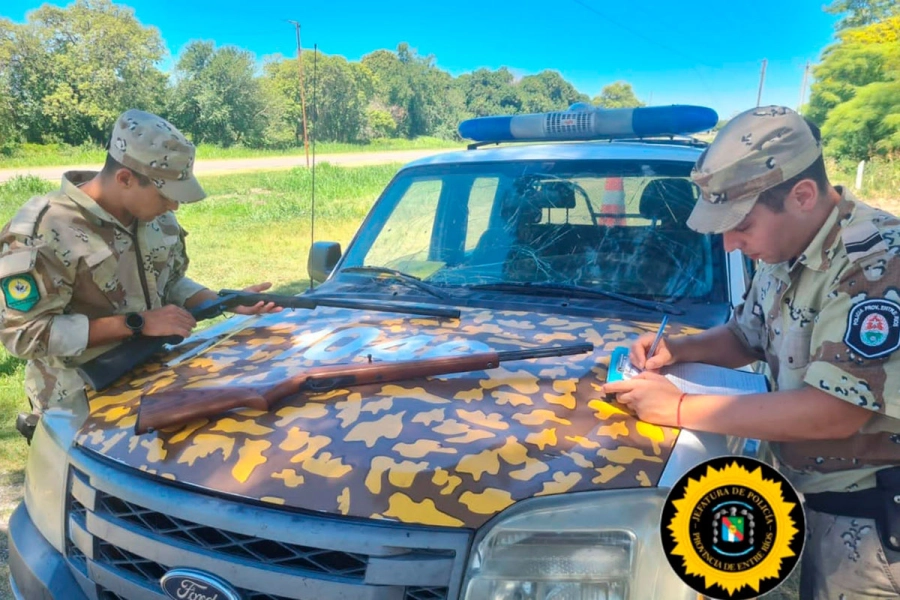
45, 474
586, 546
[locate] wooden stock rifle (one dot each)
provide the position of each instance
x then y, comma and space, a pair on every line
102, 371
178, 407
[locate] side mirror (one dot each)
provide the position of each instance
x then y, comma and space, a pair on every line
322, 258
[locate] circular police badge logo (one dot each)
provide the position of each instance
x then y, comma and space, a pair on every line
733, 528
873, 328
19, 288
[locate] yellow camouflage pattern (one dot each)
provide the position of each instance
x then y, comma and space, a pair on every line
797, 319
86, 265
450, 451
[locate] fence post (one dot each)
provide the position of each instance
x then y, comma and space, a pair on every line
859, 174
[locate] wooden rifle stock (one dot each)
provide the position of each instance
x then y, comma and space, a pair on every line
167, 409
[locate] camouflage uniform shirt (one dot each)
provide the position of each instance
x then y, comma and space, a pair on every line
831, 320
63, 261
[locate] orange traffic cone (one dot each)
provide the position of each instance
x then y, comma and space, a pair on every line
612, 210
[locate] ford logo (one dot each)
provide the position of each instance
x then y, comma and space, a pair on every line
187, 584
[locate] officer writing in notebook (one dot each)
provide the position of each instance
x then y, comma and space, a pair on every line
823, 311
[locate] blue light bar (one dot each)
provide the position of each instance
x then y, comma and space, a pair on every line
583, 122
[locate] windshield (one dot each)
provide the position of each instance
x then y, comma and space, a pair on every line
608, 225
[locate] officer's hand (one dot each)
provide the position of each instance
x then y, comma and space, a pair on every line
259, 307
641, 346
168, 320
651, 397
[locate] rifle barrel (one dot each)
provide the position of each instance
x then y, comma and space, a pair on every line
313, 301
545, 352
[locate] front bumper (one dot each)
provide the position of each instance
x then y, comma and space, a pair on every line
37, 571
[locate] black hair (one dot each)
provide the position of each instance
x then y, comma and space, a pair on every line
112, 165
774, 198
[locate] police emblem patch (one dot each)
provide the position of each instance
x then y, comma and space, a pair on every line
873, 328
733, 527
20, 292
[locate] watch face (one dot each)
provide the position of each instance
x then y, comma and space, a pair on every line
134, 321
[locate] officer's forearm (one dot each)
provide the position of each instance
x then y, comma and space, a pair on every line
200, 297
787, 416
106, 330
716, 346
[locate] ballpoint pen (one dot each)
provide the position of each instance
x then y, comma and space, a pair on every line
659, 334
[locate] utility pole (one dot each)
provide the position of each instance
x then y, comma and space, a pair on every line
762, 78
302, 93
803, 88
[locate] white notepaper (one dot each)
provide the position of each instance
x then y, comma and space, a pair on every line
695, 378
699, 378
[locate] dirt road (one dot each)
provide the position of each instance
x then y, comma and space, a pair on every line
236, 165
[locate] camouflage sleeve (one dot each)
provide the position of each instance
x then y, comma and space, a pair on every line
179, 287
855, 340
36, 289
747, 323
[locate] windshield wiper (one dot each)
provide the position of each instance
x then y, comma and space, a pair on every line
409, 280
576, 290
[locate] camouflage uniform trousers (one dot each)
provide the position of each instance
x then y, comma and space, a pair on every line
844, 559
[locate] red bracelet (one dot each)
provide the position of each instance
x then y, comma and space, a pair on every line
678, 412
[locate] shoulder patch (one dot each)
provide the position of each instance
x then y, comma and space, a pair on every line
873, 328
862, 239
20, 291
25, 220
18, 260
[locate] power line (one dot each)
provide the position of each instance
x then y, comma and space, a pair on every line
653, 41
633, 31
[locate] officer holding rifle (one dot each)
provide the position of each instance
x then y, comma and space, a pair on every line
102, 260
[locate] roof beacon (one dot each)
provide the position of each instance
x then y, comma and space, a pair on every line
585, 122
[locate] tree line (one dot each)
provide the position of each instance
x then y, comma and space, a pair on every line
855, 97
66, 73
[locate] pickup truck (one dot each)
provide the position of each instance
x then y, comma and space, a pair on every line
518, 482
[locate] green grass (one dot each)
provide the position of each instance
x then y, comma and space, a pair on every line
880, 183
41, 155
19, 189
231, 234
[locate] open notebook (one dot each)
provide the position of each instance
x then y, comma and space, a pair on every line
693, 378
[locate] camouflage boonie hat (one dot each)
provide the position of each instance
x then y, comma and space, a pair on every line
755, 151
151, 146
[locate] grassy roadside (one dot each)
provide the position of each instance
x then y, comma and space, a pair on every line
880, 181
40, 155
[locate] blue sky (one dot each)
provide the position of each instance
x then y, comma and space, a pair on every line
700, 52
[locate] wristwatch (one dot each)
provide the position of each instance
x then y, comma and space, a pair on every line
134, 322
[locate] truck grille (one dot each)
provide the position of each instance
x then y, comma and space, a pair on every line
125, 531
345, 564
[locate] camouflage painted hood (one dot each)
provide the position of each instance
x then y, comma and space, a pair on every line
452, 450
